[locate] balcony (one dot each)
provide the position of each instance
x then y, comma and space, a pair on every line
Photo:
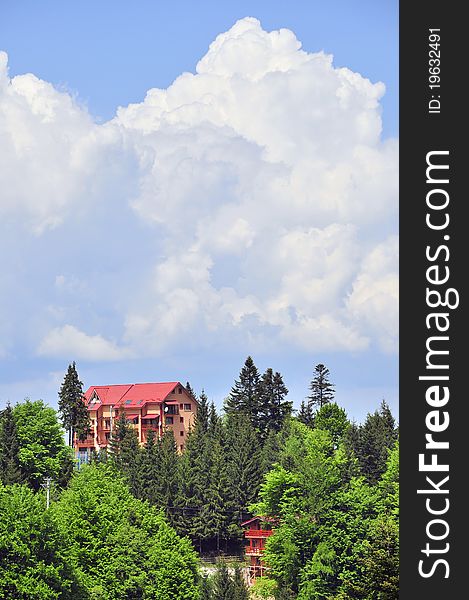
258, 533
150, 424
249, 551
88, 442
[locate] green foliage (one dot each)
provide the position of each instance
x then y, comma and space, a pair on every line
322, 390
122, 548
337, 535
223, 588
273, 408
72, 408
42, 450
32, 561
244, 395
306, 414
376, 437
10, 471
241, 591
333, 419
264, 588
242, 467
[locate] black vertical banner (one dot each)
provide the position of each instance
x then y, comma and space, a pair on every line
434, 253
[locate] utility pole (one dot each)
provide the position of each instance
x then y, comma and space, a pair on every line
46, 485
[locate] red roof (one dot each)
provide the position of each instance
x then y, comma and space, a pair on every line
263, 519
130, 395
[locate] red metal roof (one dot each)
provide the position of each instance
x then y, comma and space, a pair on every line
264, 519
130, 395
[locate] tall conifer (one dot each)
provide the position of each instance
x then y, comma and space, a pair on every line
244, 395
10, 471
72, 409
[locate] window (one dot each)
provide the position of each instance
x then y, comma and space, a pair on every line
171, 409
181, 406
181, 419
128, 401
179, 390
182, 447
108, 435
181, 433
169, 420
188, 406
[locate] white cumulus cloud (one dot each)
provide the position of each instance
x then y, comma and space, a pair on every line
70, 341
251, 202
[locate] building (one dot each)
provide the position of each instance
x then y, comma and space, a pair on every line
258, 530
147, 406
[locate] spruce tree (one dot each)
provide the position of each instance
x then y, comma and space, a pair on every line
214, 422
169, 475
118, 435
306, 414
10, 471
223, 588
241, 591
274, 409
244, 395
322, 390
149, 474
190, 390
243, 463
203, 414
270, 451
214, 507
72, 408
205, 588
376, 437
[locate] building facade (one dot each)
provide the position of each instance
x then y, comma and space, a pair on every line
147, 406
258, 529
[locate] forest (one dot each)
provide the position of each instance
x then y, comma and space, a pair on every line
136, 522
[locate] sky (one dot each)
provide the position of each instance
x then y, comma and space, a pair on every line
185, 184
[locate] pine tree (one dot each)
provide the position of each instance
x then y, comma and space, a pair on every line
203, 414
244, 395
270, 451
119, 433
214, 507
243, 464
274, 409
322, 390
223, 588
169, 475
205, 589
376, 437
10, 471
214, 422
72, 408
149, 474
241, 591
306, 414
190, 390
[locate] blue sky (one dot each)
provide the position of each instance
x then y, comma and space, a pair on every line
248, 208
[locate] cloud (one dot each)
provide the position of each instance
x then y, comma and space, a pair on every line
70, 341
251, 203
